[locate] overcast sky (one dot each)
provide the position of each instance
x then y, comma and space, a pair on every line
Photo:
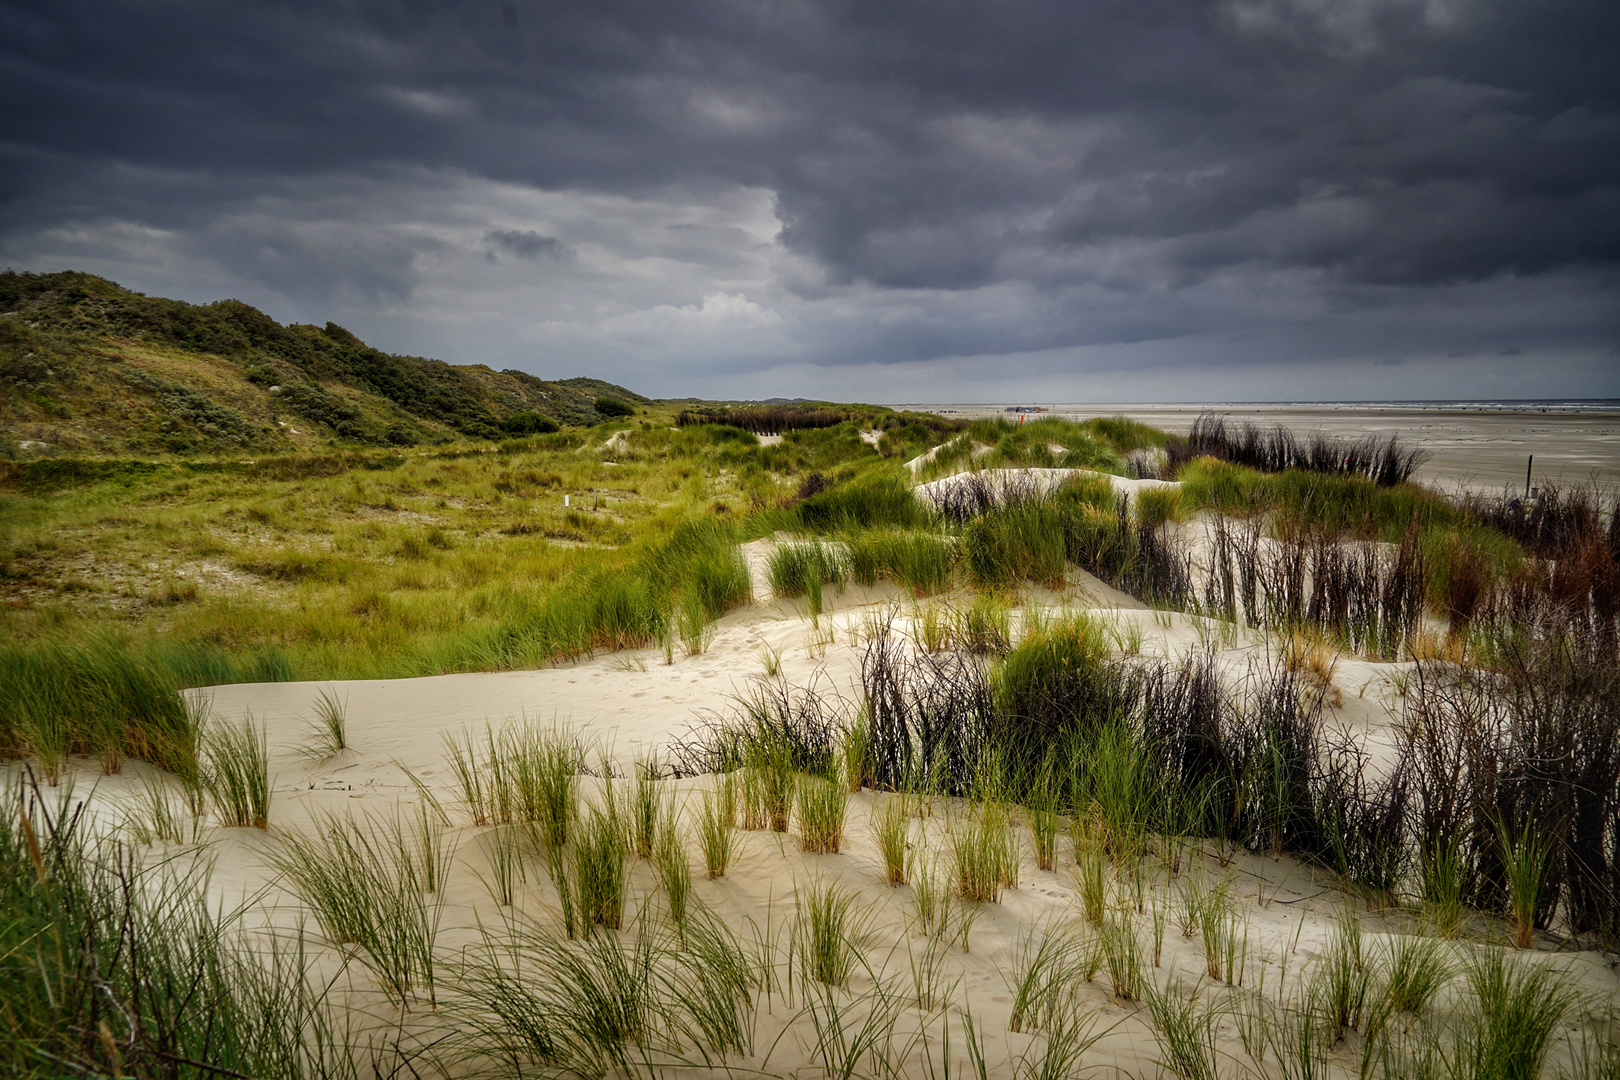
1131, 200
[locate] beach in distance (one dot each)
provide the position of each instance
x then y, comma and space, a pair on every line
1483, 446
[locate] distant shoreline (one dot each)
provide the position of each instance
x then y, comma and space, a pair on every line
1482, 445
1577, 405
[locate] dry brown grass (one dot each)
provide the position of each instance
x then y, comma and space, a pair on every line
1316, 660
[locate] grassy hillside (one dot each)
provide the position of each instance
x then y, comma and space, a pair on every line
89, 367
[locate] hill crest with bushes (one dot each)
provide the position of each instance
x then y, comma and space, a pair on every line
89, 367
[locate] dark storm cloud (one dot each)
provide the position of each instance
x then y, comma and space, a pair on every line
527, 244
1131, 170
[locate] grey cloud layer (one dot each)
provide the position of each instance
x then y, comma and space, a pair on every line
946, 179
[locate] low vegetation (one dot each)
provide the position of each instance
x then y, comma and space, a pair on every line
459, 522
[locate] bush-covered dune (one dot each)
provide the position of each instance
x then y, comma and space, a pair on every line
89, 367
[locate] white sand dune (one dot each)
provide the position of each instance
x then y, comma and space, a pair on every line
632, 703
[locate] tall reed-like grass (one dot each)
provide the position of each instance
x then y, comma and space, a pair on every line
1415, 970
920, 562
1518, 1007
1342, 983
822, 804
329, 731
365, 890
646, 807
716, 832
123, 966
1122, 950
1047, 963
1187, 1031
95, 696
1277, 448
600, 870
801, 569
153, 817
984, 853
823, 934
624, 1004
505, 846
1444, 885
891, 825
1044, 821
1020, 541
1091, 880
523, 774
674, 869
930, 899
1524, 870
236, 774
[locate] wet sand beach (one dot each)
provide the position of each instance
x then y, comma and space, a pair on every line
1483, 449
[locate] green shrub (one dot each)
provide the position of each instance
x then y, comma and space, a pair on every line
529, 422
1057, 681
608, 406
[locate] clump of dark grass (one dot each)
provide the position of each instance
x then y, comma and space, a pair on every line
1533, 744
930, 715
773, 720
1557, 520
1364, 597
765, 420
1274, 449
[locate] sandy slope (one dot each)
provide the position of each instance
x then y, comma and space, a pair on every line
632, 703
